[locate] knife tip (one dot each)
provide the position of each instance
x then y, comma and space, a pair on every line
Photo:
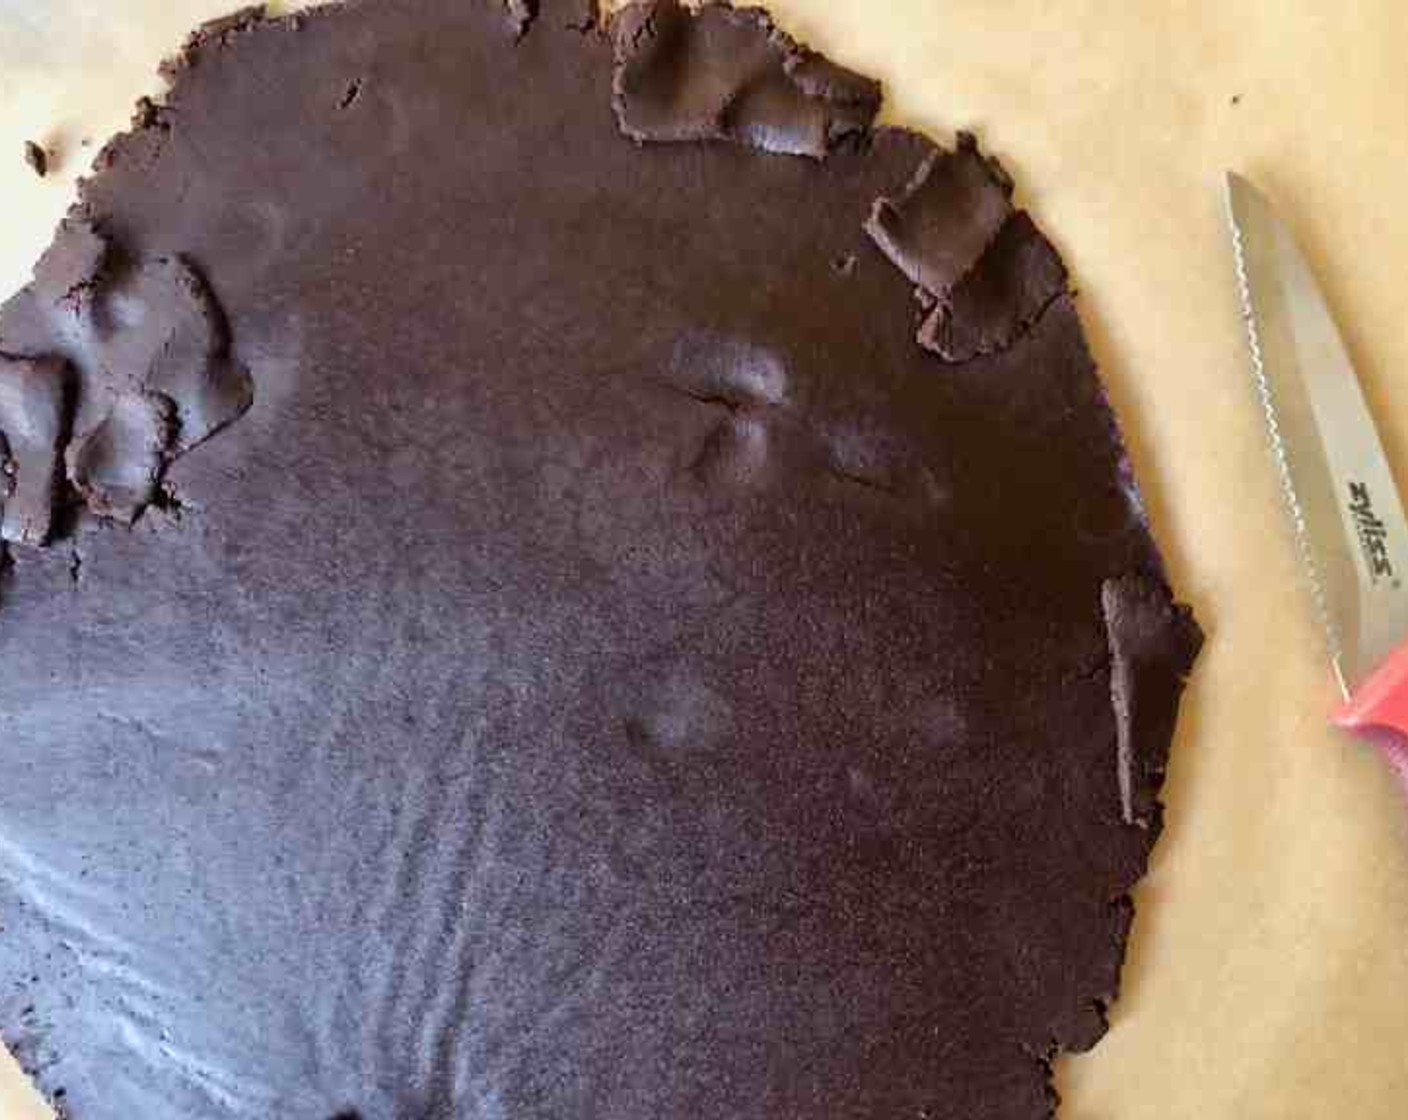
1241, 198
1242, 193
1233, 183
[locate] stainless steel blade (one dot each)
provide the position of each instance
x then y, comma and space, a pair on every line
1348, 517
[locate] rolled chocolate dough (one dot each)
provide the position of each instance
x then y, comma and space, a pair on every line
514, 608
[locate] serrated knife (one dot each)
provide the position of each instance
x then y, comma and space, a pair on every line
1348, 518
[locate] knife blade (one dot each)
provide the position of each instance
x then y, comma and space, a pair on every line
1345, 508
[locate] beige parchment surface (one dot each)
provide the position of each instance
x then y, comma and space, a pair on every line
1268, 973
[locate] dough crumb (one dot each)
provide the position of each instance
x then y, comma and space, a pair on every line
37, 158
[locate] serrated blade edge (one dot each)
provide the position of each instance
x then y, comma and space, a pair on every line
1351, 525
1310, 566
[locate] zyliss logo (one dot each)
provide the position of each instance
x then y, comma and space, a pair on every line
1373, 533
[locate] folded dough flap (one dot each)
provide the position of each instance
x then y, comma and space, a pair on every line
721, 73
120, 366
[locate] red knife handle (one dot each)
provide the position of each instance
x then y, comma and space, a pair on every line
1378, 712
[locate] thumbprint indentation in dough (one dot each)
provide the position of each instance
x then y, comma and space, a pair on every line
681, 717
734, 453
728, 371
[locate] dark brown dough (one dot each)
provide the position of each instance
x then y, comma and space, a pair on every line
148, 374
37, 158
729, 74
984, 272
116, 465
1001, 295
577, 651
33, 427
946, 218
1147, 634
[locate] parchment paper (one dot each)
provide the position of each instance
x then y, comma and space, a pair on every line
1268, 973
